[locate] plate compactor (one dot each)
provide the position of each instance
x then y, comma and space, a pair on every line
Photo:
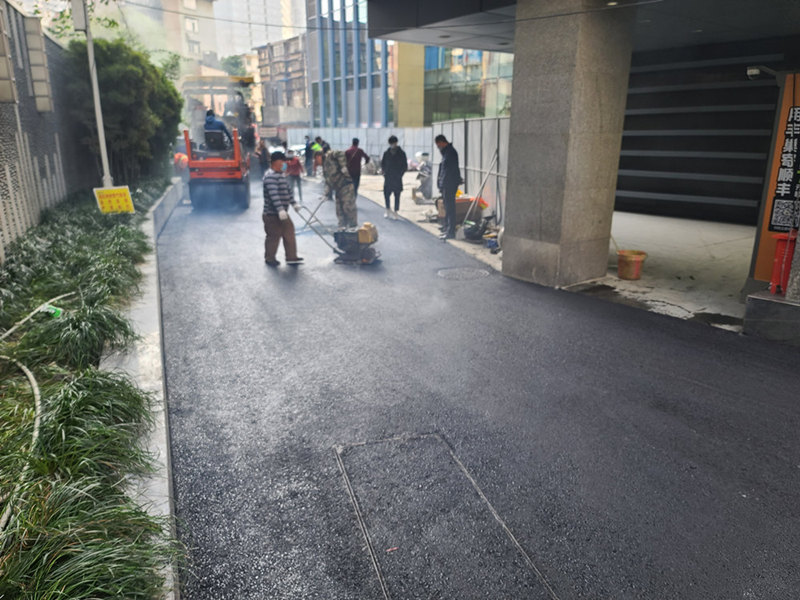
354, 246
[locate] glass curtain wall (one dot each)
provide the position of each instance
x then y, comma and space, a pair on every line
464, 84
347, 70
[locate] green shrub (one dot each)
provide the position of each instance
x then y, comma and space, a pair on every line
74, 532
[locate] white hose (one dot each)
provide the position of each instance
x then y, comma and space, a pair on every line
30, 316
37, 397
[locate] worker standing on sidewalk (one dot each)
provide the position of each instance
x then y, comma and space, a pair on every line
449, 178
394, 164
277, 224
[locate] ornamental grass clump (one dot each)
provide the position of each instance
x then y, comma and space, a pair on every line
77, 338
91, 426
72, 530
80, 539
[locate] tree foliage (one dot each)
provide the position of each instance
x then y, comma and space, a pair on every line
141, 107
233, 65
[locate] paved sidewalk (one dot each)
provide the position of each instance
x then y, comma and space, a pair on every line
372, 188
695, 270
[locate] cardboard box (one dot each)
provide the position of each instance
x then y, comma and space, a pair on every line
462, 207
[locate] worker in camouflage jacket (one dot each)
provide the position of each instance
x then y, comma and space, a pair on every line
339, 182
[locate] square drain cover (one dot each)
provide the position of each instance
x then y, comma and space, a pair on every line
430, 531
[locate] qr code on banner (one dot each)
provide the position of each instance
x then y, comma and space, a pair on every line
784, 213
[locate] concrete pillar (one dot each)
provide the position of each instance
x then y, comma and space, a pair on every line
571, 65
793, 287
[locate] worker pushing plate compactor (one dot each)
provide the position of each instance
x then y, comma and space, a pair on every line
354, 244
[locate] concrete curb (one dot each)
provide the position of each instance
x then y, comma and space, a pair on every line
143, 363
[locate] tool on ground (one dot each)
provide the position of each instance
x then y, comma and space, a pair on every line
461, 233
354, 246
473, 231
312, 214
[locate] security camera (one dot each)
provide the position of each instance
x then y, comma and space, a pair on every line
757, 71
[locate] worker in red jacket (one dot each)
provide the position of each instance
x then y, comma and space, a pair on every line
294, 170
354, 154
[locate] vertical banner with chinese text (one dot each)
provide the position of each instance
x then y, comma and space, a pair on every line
781, 204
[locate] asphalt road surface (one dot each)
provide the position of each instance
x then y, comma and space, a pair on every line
423, 428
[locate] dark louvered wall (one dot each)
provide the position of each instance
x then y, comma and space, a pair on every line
697, 131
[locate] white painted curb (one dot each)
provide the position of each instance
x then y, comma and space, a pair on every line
143, 363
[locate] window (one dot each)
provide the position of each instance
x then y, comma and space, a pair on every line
8, 91
191, 25
37, 57
190, 4
194, 48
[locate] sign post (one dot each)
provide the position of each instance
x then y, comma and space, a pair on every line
81, 22
781, 206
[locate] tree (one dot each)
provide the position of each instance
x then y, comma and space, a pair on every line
141, 107
233, 65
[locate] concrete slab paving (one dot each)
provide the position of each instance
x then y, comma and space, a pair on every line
695, 270
630, 455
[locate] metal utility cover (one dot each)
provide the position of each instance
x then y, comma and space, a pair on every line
430, 531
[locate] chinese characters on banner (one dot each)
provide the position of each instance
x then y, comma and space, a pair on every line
785, 203
114, 200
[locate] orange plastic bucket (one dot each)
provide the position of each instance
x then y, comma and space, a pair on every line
629, 263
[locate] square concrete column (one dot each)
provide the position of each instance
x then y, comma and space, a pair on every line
571, 65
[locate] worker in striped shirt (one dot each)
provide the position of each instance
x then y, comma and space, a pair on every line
277, 224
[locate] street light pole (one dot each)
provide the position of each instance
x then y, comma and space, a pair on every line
81, 21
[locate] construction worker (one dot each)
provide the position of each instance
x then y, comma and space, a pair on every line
316, 149
448, 180
339, 182
277, 224
214, 124
354, 156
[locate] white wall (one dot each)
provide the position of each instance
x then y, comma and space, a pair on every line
374, 141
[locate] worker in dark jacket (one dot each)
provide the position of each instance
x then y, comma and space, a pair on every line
214, 124
393, 165
449, 178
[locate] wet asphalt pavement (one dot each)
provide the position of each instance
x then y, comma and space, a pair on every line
500, 440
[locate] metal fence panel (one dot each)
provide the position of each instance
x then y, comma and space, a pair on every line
476, 141
504, 132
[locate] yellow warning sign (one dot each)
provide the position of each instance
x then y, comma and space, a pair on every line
114, 200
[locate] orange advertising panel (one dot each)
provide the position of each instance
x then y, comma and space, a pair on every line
781, 203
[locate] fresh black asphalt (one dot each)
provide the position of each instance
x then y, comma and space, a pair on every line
501, 440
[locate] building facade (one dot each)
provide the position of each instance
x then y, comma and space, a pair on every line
183, 27
348, 72
243, 25
356, 81
671, 108
41, 161
284, 86
467, 84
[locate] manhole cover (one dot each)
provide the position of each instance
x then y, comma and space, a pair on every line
462, 274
